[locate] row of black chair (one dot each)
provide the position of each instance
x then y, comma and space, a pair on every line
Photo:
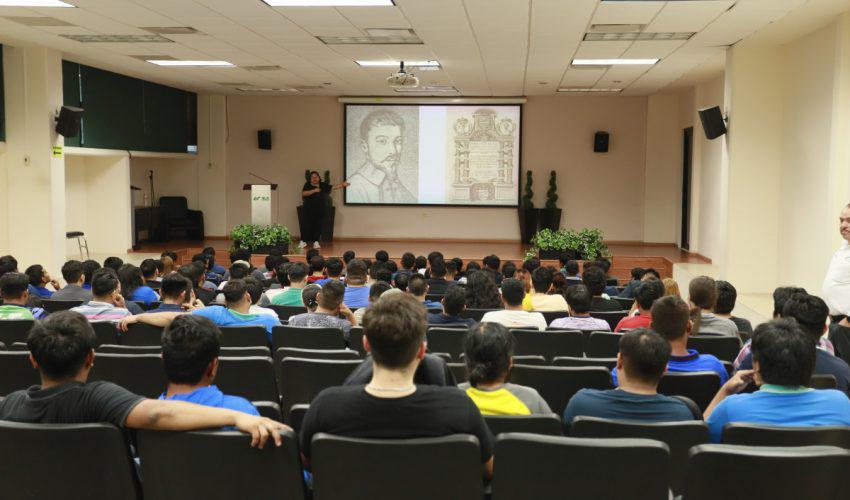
612, 317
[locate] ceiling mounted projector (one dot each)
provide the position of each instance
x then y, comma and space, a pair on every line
402, 79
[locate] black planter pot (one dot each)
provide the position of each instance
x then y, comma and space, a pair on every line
266, 249
528, 220
548, 254
550, 218
328, 225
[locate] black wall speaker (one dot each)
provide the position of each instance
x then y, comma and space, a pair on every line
600, 142
264, 139
712, 122
68, 123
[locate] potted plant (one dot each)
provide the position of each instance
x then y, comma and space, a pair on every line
527, 213
261, 238
550, 216
584, 244
591, 244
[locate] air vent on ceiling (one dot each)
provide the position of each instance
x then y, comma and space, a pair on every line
370, 40
172, 30
38, 21
309, 87
629, 36
261, 68
265, 90
234, 84
118, 38
154, 57
427, 89
616, 28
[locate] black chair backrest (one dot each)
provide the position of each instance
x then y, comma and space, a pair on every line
447, 340
548, 344
236, 352
219, 464
612, 317
14, 330
17, 372
535, 466
128, 349
603, 345
557, 384
52, 306
551, 316
679, 436
625, 302
343, 468
475, 314
701, 387
549, 425
459, 371
294, 352
18, 346
244, 336
142, 334
733, 471
723, 347
249, 377
775, 435
142, 374
105, 332
269, 409
307, 338
528, 359
142, 305
286, 312
608, 363
823, 381
296, 416
300, 380
28, 450
434, 297
355, 340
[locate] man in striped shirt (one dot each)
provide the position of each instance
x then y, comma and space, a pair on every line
107, 303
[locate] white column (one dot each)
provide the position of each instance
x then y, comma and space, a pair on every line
212, 162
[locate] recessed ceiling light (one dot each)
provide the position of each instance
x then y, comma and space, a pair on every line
329, 3
428, 89
617, 37
579, 89
264, 89
390, 64
166, 62
118, 38
38, 21
172, 30
33, 3
614, 62
370, 40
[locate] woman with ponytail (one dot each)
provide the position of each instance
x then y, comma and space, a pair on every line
489, 356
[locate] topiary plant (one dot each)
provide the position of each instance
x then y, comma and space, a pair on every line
528, 196
552, 193
307, 175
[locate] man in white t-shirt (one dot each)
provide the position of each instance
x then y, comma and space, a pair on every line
512, 316
836, 284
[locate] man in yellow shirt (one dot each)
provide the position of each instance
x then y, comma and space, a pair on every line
538, 300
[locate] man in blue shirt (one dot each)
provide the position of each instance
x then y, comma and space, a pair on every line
454, 303
178, 295
190, 348
418, 287
356, 289
783, 361
641, 362
671, 320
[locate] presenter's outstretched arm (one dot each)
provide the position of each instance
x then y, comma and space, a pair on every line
340, 185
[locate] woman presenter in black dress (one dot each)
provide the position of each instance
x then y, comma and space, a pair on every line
313, 194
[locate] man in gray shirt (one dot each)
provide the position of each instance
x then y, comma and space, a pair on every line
703, 294
330, 307
73, 274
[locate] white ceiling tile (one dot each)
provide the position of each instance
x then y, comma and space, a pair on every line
374, 17
626, 12
601, 50
687, 17
653, 49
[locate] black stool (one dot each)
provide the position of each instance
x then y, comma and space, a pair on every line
81, 242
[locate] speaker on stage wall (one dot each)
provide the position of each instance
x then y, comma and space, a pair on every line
712, 122
68, 121
600, 142
264, 139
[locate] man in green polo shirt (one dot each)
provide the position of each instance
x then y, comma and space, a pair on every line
297, 281
14, 289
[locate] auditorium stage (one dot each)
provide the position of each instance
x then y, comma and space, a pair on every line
626, 255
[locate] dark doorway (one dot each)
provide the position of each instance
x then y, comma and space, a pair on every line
687, 157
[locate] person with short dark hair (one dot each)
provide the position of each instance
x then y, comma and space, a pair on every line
703, 294
641, 362
784, 358
539, 299
89, 268
513, 315
508, 270
62, 348
417, 286
190, 349
348, 256
356, 289
637, 275
408, 261
330, 308
333, 268
317, 269
39, 278
107, 303
454, 303
382, 256
438, 283
646, 293
379, 271
570, 269
481, 291
113, 263
420, 264
531, 264
133, 286
391, 405
726, 297
213, 267
401, 280
579, 300
291, 296
14, 290
451, 271
594, 279
255, 290
150, 273
177, 295
195, 273
605, 265
73, 272
492, 263
488, 353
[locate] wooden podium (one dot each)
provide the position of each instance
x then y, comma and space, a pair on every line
261, 202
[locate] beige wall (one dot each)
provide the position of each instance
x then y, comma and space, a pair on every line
4, 222
663, 180
604, 190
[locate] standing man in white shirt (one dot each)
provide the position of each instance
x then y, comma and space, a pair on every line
836, 284
513, 291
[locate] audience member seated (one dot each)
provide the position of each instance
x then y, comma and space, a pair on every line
150, 273
641, 362
211, 280
195, 274
281, 275
39, 279
216, 268
391, 406
62, 349
703, 294
270, 264
73, 274
376, 290
317, 269
113, 263
133, 286
481, 292
168, 265
107, 303
605, 265
89, 267
291, 296
671, 319
579, 300
401, 280
255, 290
14, 289
190, 349
239, 270
348, 256
330, 308
594, 280
645, 295
333, 268
454, 303
492, 263
488, 352
810, 313
726, 297
382, 256
177, 295
570, 269
629, 291
783, 363
539, 298
9, 264
438, 283
379, 271
513, 315
418, 287
451, 271
671, 287
356, 289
